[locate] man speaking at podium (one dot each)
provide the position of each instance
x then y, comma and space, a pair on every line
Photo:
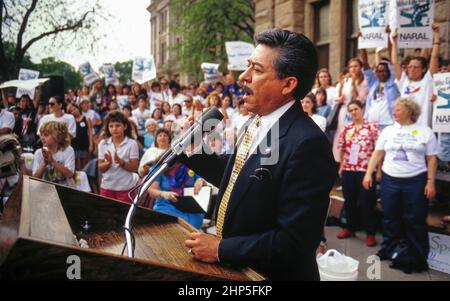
274, 189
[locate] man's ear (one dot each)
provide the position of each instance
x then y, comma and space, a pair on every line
290, 84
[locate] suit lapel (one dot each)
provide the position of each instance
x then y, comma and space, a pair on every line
244, 180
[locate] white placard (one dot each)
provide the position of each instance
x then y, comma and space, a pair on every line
26, 75
109, 72
202, 198
211, 72
441, 106
25, 84
88, 73
439, 255
415, 18
373, 18
144, 69
238, 53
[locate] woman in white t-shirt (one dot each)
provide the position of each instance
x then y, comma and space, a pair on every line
417, 83
152, 155
118, 158
324, 80
409, 171
55, 161
309, 106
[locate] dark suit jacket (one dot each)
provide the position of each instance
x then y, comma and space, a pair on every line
276, 214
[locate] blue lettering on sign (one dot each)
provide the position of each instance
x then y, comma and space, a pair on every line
375, 16
420, 12
446, 96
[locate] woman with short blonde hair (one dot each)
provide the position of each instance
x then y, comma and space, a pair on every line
408, 151
55, 161
411, 106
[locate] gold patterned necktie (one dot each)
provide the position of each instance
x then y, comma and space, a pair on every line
241, 156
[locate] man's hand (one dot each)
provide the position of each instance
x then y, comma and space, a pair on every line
204, 247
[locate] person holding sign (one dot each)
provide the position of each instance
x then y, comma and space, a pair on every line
408, 174
417, 82
383, 91
357, 143
353, 87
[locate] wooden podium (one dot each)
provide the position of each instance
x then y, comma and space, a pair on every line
43, 221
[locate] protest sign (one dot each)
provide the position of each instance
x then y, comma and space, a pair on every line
373, 17
238, 53
211, 72
26, 75
109, 72
441, 107
144, 69
439, 255
415, 18
88, 73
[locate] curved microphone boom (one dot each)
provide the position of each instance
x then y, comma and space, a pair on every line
194, 135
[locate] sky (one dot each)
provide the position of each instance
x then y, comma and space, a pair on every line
127, 36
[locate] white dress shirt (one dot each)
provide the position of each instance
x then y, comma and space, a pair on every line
267, 121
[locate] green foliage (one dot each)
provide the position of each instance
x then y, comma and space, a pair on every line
205, 25
9, 53
25, 23
124, 71
50, 66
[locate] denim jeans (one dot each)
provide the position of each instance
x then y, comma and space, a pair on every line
358, 199
405, 210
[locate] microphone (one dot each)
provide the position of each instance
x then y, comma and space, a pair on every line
204, 124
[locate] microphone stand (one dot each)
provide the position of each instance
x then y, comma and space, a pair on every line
163, 164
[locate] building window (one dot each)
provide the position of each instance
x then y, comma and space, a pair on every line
322, 32
163, 22
163, 53
154, 37
352, 30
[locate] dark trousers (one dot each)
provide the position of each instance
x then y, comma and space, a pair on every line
405, 210
358, 199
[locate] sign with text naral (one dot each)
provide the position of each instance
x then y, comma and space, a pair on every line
373, 17
441, 107
439, 255
415, 18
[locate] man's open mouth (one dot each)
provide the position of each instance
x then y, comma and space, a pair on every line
247, 90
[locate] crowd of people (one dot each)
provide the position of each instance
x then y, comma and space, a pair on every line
377, 118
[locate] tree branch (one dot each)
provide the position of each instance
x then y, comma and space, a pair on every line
23, 26
66, 27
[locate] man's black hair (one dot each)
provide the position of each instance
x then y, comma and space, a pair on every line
297, 57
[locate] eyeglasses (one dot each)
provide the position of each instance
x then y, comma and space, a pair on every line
51, 104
